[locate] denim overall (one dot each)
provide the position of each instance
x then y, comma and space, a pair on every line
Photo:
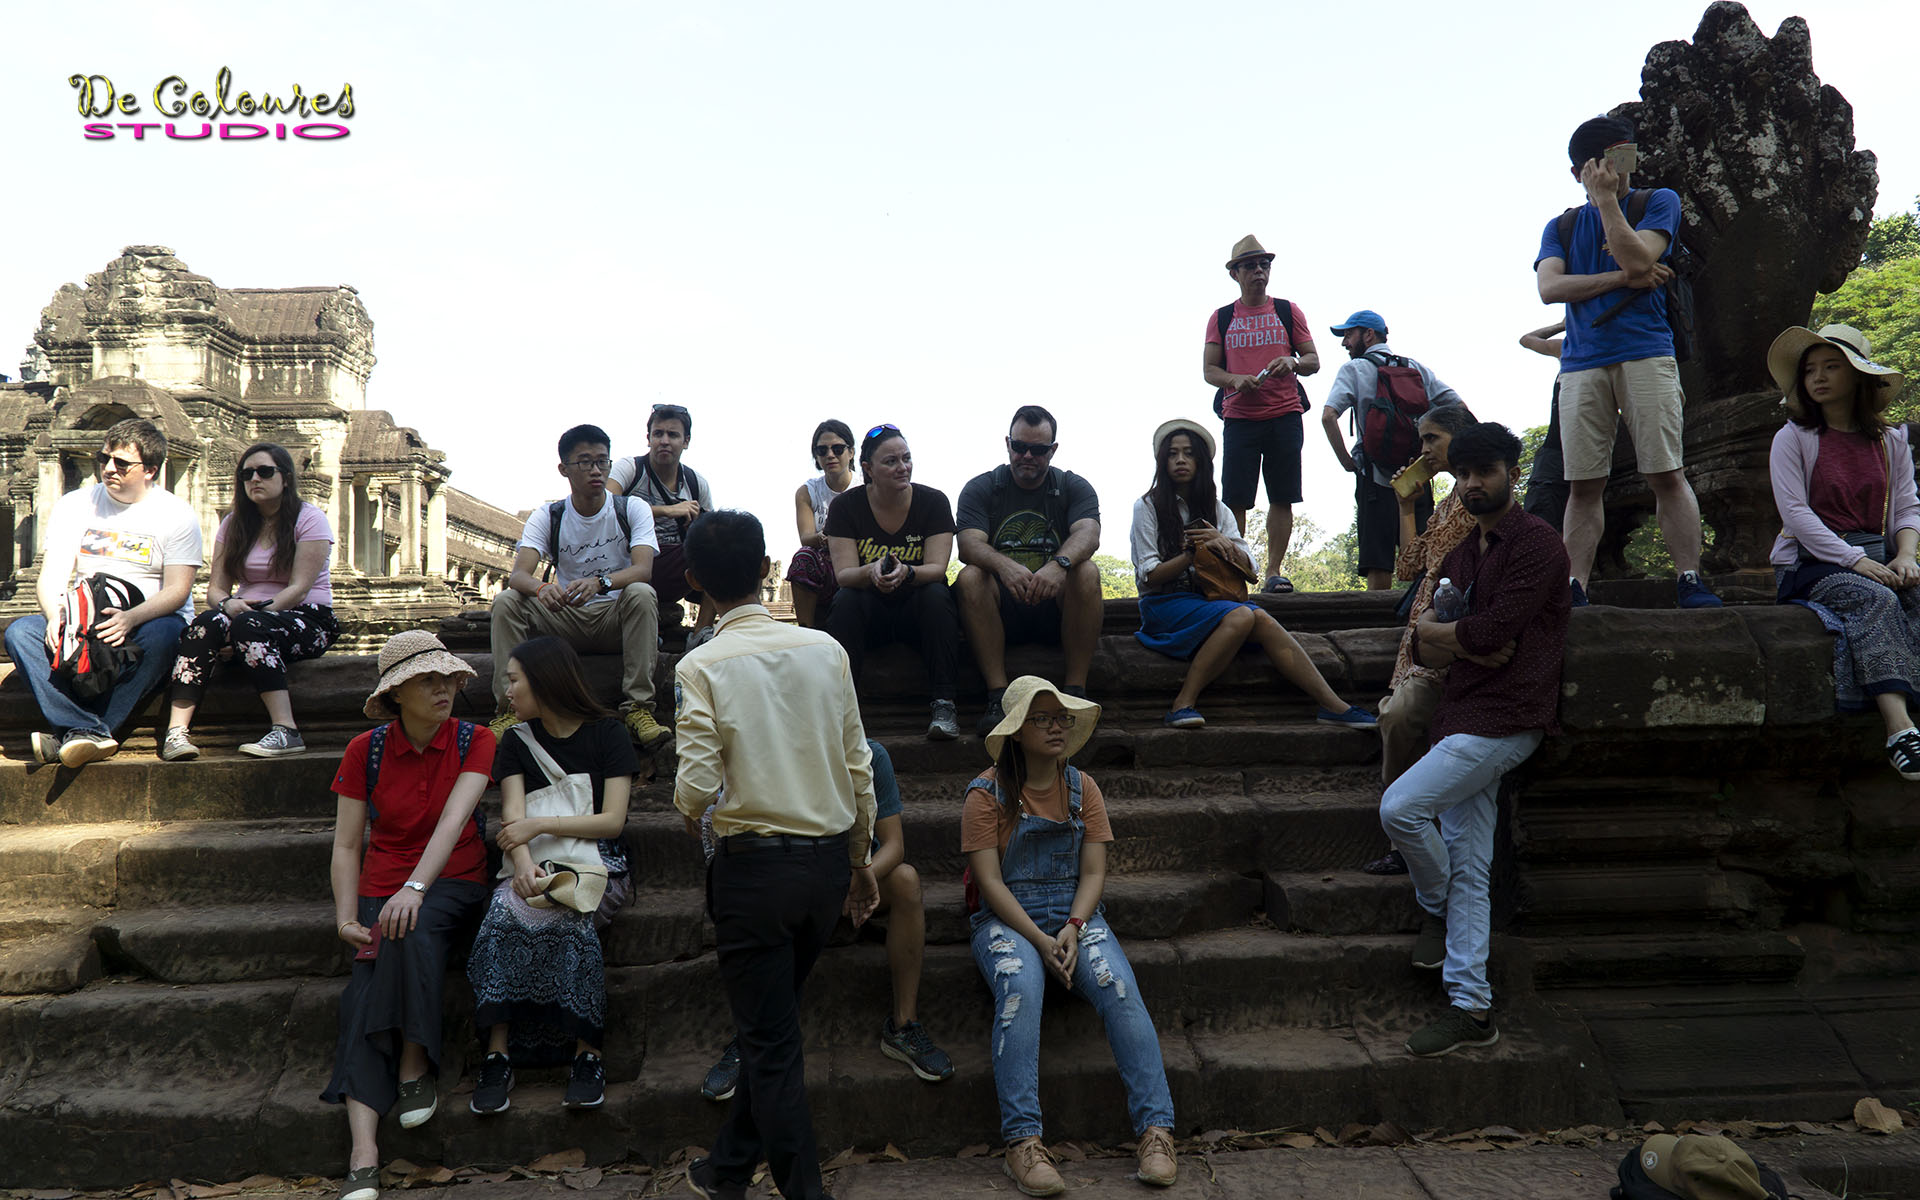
1041, 868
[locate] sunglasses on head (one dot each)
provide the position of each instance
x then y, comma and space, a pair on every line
832, 451
1036, 449
122, 465
676, 409
247, 474
877, 430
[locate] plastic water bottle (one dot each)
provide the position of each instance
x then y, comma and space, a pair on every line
1448, 603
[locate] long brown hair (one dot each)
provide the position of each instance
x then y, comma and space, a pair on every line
248, 521
552, 671
1867, 418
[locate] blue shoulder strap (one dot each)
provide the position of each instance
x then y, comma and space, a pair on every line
987, 783
1073, 791
376, 746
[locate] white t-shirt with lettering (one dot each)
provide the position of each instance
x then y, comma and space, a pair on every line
591, 545
134, 542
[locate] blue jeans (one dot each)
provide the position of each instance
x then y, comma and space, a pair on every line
1457, 783
1102, 975
27, 645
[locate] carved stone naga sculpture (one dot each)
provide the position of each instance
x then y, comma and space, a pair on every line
1776, 205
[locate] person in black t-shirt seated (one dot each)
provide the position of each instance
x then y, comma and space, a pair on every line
1028, 531
891, 539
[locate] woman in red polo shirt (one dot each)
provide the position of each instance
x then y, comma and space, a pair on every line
421, 881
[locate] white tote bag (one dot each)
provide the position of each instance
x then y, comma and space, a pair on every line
575, 874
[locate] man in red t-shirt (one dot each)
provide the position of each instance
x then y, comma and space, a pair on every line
1256, 365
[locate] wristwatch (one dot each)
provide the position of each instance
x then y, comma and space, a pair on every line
606, 583
416, 885
1066, 564
1079, 923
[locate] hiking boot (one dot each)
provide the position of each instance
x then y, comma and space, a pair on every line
996, 713
177, 747
910, 1044
1031, 1169
1183, 718
1689, 592
1458, 1028
81, 747
361, 1183
1354, 718
1904, 752
1430, 948
645, 731
1390, 863
587, 1086
724, 1076
945, 725
418, 1102
1577, 593
496, 1080
1155, 1154
502, 722
704, 1181
280, 740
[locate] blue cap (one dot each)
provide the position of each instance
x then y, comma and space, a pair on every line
1366, 318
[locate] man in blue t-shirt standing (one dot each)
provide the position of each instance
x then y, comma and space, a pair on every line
1618, 360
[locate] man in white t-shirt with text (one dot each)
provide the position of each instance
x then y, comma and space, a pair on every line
132, 528
599, 596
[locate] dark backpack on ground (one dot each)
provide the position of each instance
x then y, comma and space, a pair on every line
558, 509
86, 667
1282, 309
1388, 420
1680, 257
1634, 1184
377, 749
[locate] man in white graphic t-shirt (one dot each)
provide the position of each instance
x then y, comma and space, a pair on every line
598, 596
130, 527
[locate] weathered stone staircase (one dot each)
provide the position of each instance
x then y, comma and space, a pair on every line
1707, 888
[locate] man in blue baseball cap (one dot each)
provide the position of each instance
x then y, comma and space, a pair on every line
1387, 394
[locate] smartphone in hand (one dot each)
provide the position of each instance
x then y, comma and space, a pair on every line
371, 950
889, 565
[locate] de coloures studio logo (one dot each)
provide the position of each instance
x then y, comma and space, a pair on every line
98, 97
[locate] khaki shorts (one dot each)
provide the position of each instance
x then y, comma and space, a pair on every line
1645, 393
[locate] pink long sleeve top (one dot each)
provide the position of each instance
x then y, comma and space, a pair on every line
1795, 450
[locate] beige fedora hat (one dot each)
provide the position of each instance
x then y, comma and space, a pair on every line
1246, 248
1194, 427
1783, 363
1020, 696
408, 653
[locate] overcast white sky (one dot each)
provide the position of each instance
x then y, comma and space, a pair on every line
776, 213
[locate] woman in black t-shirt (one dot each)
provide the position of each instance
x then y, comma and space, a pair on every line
537, 972
891, 539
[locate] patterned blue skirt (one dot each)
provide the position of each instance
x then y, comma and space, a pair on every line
540, 970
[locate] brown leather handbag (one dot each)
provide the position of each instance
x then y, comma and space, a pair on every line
1220, 576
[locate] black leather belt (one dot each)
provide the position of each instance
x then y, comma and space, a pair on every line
750, 843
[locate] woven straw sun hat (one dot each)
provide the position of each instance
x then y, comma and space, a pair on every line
1019, 697
1182, 425
406, 654
1783, 363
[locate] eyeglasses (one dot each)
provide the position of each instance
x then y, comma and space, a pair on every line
1059, 720
880, 429
122, 465
833, 451
590, 464
248, 474
1036, 449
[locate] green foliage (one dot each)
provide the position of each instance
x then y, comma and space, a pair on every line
1646, 550
1116, 577
1882, 300
1530, 443
1893, 238
1317, 563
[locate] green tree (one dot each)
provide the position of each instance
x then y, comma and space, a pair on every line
1893, 238
1882, 300
1317, 563
1116, 577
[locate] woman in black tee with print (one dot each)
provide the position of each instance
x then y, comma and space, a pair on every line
891, 539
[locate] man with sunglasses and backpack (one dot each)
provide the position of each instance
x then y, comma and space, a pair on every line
676, 496
130, 527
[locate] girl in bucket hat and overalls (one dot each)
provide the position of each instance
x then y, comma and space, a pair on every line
1035, 833
1850, 521
420, 884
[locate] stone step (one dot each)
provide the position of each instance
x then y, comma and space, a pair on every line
1340, 902
46, 950
1622, 960
1666, 893
137, 787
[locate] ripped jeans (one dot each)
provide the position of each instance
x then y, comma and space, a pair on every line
1018, 978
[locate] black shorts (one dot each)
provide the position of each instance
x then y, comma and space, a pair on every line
1250, 449
1026, 624
1378, 512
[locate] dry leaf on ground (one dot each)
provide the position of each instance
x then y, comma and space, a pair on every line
894, 1152
1069, 1152
581, 1181
1297, 1141
977, 1150
1876, 1117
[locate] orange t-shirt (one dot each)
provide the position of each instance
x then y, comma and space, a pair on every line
985, 824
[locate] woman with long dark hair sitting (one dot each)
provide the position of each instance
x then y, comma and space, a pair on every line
1180, 518
811, 571
269, 603
1850, 521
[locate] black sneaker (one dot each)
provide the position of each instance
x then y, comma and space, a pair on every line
496, 1080
1576, 593
910, 1044
704, 1181
996, 713
1904, 752
1430, 948
725, 1075
1390, 863
588, 1085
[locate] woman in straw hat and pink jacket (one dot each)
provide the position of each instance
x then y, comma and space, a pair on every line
400, 899
1035, 834
1850, 521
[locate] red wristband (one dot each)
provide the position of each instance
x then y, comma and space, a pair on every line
1077, 923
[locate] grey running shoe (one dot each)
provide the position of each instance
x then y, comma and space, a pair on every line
280, 740
945, 725
910, 1044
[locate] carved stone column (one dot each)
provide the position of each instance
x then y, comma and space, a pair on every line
437, 529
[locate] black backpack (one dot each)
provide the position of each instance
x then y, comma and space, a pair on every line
1680, 256
558, 509
85, 665
1224, 317
687, 476
1634, 1184
1388, 420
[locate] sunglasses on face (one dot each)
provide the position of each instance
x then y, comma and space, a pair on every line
1036, 449
1059, 720
248, 474
833, 451
122, 465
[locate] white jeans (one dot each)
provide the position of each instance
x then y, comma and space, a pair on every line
1457, 782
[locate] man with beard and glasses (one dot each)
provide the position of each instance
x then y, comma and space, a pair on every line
1504, 648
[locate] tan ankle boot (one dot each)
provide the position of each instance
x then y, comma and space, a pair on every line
1156, 1157
1031, 1168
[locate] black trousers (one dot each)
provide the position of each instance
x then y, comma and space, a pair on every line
922, 615
773, 910
1547, 486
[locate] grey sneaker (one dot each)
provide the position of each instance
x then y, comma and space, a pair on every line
910, 1044
361, 1183
945, 725
1430, 948
280, 740
1458, 1028
418, 1102
81, 747
177, 748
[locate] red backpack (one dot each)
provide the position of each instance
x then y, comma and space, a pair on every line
85, 665
1387, 421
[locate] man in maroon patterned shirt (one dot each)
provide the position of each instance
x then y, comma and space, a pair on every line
1502, 693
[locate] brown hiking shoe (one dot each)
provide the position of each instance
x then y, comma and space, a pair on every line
1156, 1157
1031, 1168
646, 731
